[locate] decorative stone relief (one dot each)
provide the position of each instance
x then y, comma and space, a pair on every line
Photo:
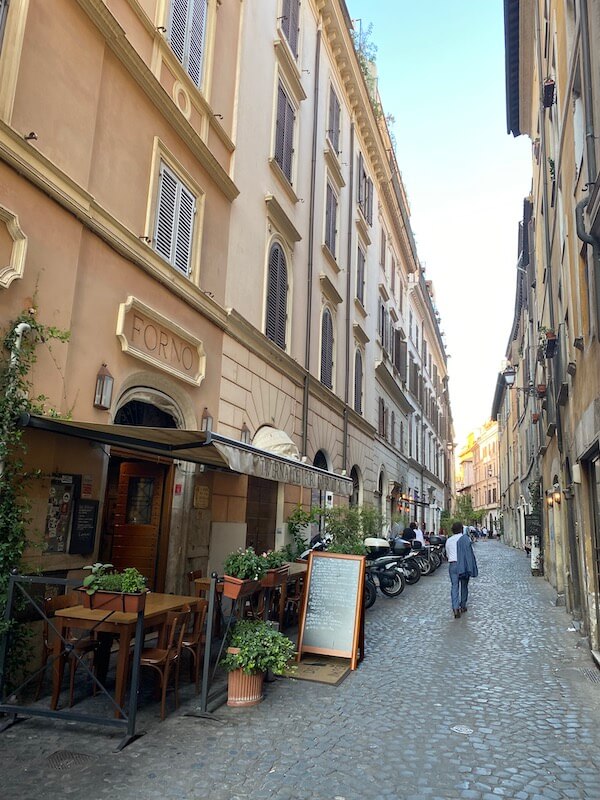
13, 248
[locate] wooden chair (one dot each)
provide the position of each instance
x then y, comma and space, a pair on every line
166, 660
194, 639
191, 576
82, 646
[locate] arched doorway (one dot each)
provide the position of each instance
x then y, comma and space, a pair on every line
139, 493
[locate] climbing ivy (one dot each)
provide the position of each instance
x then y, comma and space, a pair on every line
15, 480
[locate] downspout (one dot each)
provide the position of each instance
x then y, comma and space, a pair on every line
349, 338
20, 330
590, 139
311, 237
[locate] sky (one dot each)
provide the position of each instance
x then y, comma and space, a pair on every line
441, 75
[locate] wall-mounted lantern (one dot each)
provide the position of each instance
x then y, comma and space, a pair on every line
104, 388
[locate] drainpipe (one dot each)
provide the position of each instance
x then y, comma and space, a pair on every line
20, 330
588, 110
311, 237
349, 338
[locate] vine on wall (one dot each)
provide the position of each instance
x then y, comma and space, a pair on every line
15, 399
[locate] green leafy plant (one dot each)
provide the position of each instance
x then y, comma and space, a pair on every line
259, 648
245, 565
103, 577
297, 522
274, 559
20, 342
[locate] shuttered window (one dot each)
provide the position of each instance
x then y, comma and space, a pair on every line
187, 28
360, 275
382, 249
358, 382
277, 285
284, 133
175, 215
327, 349
333, 130
331, 212
3, 14
381, 417
290, 17
365, 191
393, 430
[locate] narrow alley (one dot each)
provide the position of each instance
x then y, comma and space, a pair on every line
504, 702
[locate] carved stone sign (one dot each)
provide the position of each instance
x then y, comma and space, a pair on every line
147, 335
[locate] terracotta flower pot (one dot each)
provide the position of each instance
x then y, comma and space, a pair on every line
244, 690
235, 587
114, 601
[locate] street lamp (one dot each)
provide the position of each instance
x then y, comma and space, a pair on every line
510, 374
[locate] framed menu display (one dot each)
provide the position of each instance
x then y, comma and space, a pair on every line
63, 493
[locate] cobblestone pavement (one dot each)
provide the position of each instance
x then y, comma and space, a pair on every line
521, 685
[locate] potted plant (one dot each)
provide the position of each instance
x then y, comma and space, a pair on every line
105, 588
276, 568
254, 648
243, 571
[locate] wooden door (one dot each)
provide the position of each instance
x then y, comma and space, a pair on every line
261, 515
137, 518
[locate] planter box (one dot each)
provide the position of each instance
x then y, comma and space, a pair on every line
274, 577
235, 587
113, 601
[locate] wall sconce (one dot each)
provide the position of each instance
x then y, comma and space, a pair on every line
549, 500
206, 421
510, 373
245, 436
556, 496
104, 388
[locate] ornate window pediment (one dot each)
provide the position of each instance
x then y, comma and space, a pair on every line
13, 248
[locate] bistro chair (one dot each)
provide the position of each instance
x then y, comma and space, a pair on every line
165, 661
194, 639
82, 646
191, 576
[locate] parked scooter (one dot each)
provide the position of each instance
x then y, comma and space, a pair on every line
318, 543
384, 567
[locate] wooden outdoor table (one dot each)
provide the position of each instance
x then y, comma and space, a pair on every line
114, 623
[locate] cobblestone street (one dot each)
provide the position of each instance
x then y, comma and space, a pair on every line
521, 685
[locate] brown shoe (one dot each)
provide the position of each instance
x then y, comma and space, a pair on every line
456, 613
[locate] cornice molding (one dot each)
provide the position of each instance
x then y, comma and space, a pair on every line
329, 290
363, 229
289, 68
283, 181
333, 165
360, 334
281, 220
116, 39
388, 380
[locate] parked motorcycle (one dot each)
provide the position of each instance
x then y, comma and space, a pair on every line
384, 568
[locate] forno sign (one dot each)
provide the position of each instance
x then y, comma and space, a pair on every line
147, 335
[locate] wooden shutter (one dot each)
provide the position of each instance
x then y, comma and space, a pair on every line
393, 430
178, 28
360, 182
381, 423
290, 12
280, 126
327, 349
184, 228
369, 201
358, 382
284, 133
277, 297
360, 276
334, 120
165, 213
331, 220
383, 249
196, 41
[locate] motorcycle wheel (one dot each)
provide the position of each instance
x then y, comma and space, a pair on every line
437, 561
412, 574
370, 593
424, 566
395, 584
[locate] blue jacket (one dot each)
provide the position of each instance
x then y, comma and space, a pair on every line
465, 558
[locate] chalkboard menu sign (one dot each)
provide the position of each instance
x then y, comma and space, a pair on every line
83, 530
331, 620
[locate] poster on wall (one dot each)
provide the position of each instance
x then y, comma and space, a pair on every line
64, 491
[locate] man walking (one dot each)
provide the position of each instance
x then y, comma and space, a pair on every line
462, 565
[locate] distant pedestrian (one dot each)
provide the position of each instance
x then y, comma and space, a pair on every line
462, 565
419, 533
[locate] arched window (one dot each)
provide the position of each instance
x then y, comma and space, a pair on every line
277, 286
355, 496
327, 349
358, 382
